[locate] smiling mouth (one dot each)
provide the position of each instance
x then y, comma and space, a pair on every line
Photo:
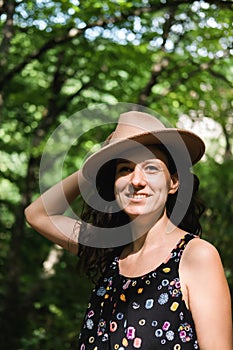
138, 196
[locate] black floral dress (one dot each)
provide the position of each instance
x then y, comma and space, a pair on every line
146, 312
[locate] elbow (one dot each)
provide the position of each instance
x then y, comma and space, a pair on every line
30, 215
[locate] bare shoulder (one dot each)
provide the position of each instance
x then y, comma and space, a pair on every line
200, 252
201, 263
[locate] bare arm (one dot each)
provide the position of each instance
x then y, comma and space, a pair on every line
208, 295
45, 214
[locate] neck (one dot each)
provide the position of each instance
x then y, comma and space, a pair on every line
147, 232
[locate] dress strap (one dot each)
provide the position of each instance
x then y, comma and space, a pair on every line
188, 237
184, 241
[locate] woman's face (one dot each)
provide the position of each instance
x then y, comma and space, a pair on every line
143, 182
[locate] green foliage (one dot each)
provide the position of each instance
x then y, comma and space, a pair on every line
218, 195
60, 57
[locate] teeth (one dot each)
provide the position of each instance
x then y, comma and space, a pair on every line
138, 196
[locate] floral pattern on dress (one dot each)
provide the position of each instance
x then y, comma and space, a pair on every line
146, 312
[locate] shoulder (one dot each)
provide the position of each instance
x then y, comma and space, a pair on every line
199, 254
204, 284
200, 248
200, 271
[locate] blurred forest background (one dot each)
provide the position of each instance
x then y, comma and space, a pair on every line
59, 57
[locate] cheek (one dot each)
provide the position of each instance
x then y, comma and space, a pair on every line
118, 189
120, 184
161, 182
166, 180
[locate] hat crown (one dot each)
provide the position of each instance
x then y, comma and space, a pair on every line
134, 123
144, 129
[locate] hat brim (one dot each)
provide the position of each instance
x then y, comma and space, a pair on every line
177, 141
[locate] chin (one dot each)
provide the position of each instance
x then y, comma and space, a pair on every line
148, 215
133, 215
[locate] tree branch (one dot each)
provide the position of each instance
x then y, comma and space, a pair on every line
157, 67
220, 76
8, 30
72, 33
228, 151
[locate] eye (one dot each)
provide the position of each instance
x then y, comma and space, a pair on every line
124, 169
150, 168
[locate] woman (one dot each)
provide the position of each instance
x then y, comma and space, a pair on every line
160, 286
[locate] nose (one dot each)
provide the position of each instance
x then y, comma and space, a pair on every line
138, 178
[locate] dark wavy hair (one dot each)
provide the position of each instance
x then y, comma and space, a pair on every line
93, 261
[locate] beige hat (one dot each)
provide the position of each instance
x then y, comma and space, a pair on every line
134, 128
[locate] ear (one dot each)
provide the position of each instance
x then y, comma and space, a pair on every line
174, 184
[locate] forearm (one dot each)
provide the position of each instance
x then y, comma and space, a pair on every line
56, 200
45, 214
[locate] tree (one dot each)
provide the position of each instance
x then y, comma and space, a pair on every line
59, 57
